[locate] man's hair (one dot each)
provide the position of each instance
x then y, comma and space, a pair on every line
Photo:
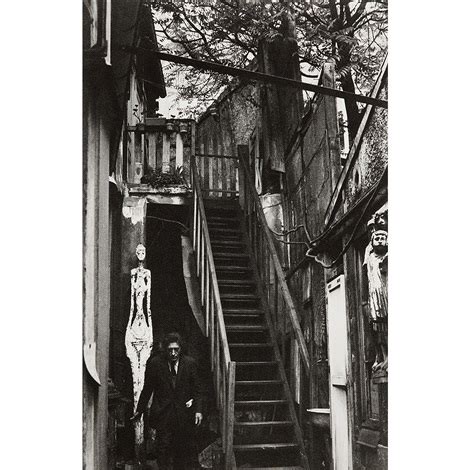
172, 338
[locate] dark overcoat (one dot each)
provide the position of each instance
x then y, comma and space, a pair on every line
168, 409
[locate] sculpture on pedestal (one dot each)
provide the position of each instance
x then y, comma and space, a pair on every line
139, 336
376, 260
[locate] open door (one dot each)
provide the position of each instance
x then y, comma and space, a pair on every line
338, 360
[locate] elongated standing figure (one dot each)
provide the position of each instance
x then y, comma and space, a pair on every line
376, 260
139, 336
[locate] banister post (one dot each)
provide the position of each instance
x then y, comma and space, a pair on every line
243, 155
230, 415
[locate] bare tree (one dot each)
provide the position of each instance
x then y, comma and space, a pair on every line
351, 32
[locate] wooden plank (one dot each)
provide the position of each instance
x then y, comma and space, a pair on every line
243, 155
206, 172
166, 153
223, 174
203, 271
230, 414
228, 174
211, 155
211, 174
206, 290
158, 164
252, 75
179, 150
152, 149
212, 317
173, 151
222, 191
219, 175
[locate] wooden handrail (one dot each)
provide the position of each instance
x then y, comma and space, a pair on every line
250, 203
222, 366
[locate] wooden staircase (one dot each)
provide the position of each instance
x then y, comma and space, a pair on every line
266, 433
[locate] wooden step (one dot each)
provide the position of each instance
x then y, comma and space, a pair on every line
233, 269
235, 296
225, 230
270, 446
222, 254
223, 219
259, 402
258, 382
243, 328
230, 243
236, 282
243, 311
256, 424
275, 468
256, 363
241, 317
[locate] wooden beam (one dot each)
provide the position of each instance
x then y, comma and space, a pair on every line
258, 76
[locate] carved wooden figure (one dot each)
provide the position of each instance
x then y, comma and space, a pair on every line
376, 260
139, 336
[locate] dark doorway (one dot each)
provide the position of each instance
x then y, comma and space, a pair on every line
169, 299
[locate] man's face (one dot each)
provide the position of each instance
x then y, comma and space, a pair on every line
173, 351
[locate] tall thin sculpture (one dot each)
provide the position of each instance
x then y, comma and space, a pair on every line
139, 336
376, 260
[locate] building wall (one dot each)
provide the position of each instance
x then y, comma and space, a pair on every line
228, 122
372, 155
105, 82
98, 126
313, 167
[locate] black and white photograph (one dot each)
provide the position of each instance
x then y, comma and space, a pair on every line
235, 234
208, 284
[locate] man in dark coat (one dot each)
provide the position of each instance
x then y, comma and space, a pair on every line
176, 407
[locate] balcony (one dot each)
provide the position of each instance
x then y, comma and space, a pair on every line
163, 145
167, 146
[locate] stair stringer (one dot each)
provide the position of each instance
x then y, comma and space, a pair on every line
277, 354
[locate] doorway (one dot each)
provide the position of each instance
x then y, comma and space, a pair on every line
338, 360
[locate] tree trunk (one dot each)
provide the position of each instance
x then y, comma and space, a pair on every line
352, 110
347, 84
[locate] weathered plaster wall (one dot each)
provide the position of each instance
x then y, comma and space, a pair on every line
372, 155
228, 122
313, 164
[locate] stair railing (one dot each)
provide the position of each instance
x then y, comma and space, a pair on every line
283, 314
223, 368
